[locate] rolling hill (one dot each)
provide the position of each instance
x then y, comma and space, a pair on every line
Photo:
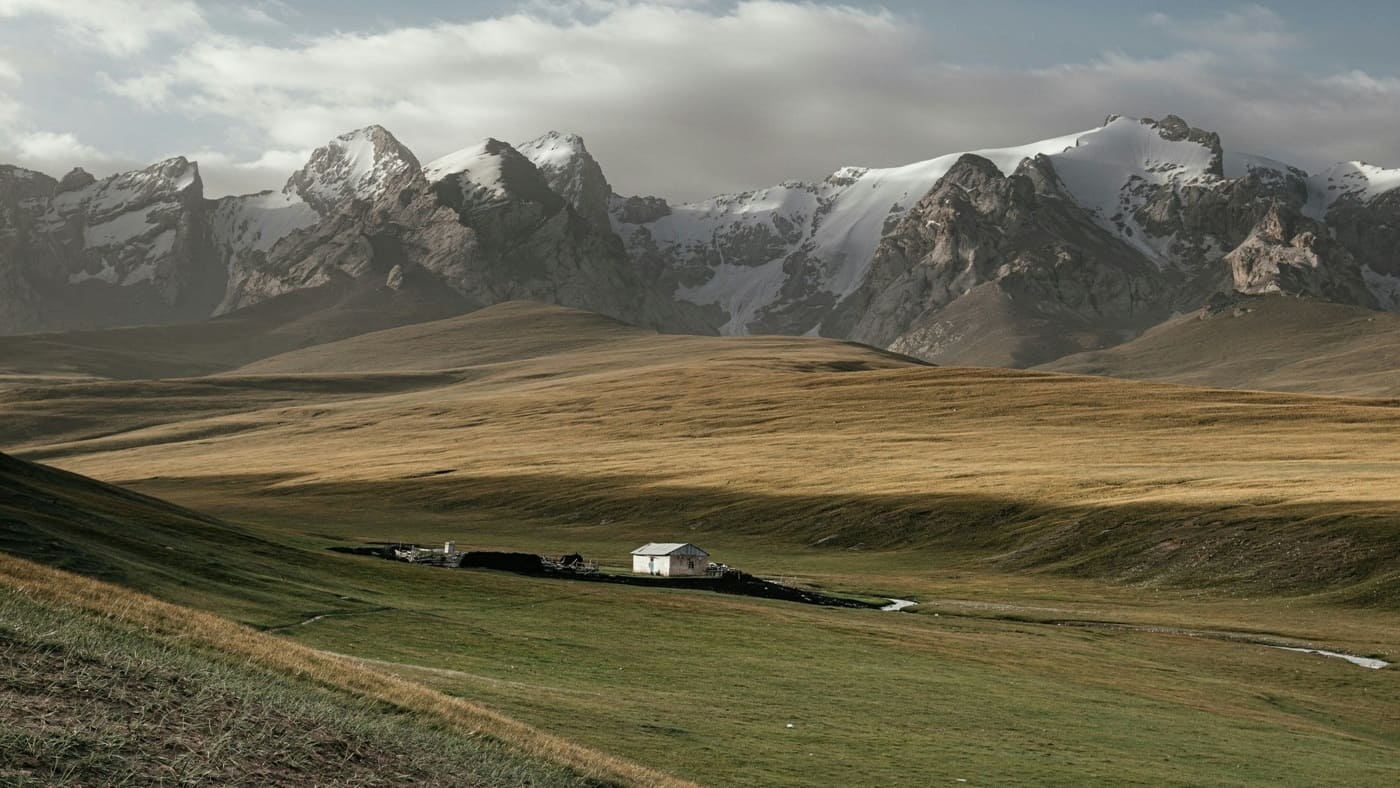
1261, 342
551, 413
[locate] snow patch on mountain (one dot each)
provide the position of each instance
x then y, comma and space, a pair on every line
835, 224
1353, 179
1112, 171
1240, 165
478, 165
742, 291
552, 150
120, 229
107, 273
258, 221
1385, 287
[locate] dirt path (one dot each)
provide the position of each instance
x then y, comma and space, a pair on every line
316, 618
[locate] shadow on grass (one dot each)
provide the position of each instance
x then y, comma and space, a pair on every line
1349, 550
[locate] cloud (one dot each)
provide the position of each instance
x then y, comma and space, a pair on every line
118, 27
687, 99
54, 146
56, 152
9, 107
225, 173
1252, 31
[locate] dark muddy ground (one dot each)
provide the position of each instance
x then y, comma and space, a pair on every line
731, 582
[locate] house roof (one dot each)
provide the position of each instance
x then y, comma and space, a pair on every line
668, 548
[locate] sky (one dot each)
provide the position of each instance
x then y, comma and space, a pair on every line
681, 98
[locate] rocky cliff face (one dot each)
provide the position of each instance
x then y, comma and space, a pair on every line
483, 225
23, 195
1051, 266
573, 174
485, 222
133, 247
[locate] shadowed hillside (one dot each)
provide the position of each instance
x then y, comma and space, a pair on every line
1261, 342
290, 321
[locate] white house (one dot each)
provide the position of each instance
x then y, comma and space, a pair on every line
669, 559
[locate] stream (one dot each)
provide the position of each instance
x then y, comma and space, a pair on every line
1365, 662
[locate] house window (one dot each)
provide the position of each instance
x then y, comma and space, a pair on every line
691, 561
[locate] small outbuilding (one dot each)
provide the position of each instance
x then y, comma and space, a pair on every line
669, 559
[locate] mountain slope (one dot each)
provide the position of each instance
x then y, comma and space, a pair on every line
1099, 235
293, 320
107, 682
1261, 342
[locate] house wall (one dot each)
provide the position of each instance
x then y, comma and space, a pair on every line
680, 566
670, 566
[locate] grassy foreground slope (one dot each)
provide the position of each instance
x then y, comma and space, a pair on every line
101, 684
99, 700
1261, 342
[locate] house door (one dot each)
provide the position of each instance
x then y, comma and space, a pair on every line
651, 566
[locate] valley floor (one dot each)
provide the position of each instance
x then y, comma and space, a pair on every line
1023, 511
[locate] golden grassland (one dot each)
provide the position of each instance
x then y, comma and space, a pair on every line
559, 416
1017, 507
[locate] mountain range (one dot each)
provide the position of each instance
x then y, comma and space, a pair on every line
1014, 257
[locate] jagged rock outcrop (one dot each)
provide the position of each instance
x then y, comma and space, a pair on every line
485, 222
572, 173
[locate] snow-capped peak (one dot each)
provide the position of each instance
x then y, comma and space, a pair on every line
553, 151
837, 223
490, 171
572, 174
1111, 171
359, 165
163, 182
479, 164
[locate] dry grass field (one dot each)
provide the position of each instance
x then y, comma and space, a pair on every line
564, 417
1101, 564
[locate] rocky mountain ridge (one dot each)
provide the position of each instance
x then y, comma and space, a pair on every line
485, 225
1017, 256
1009, 257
